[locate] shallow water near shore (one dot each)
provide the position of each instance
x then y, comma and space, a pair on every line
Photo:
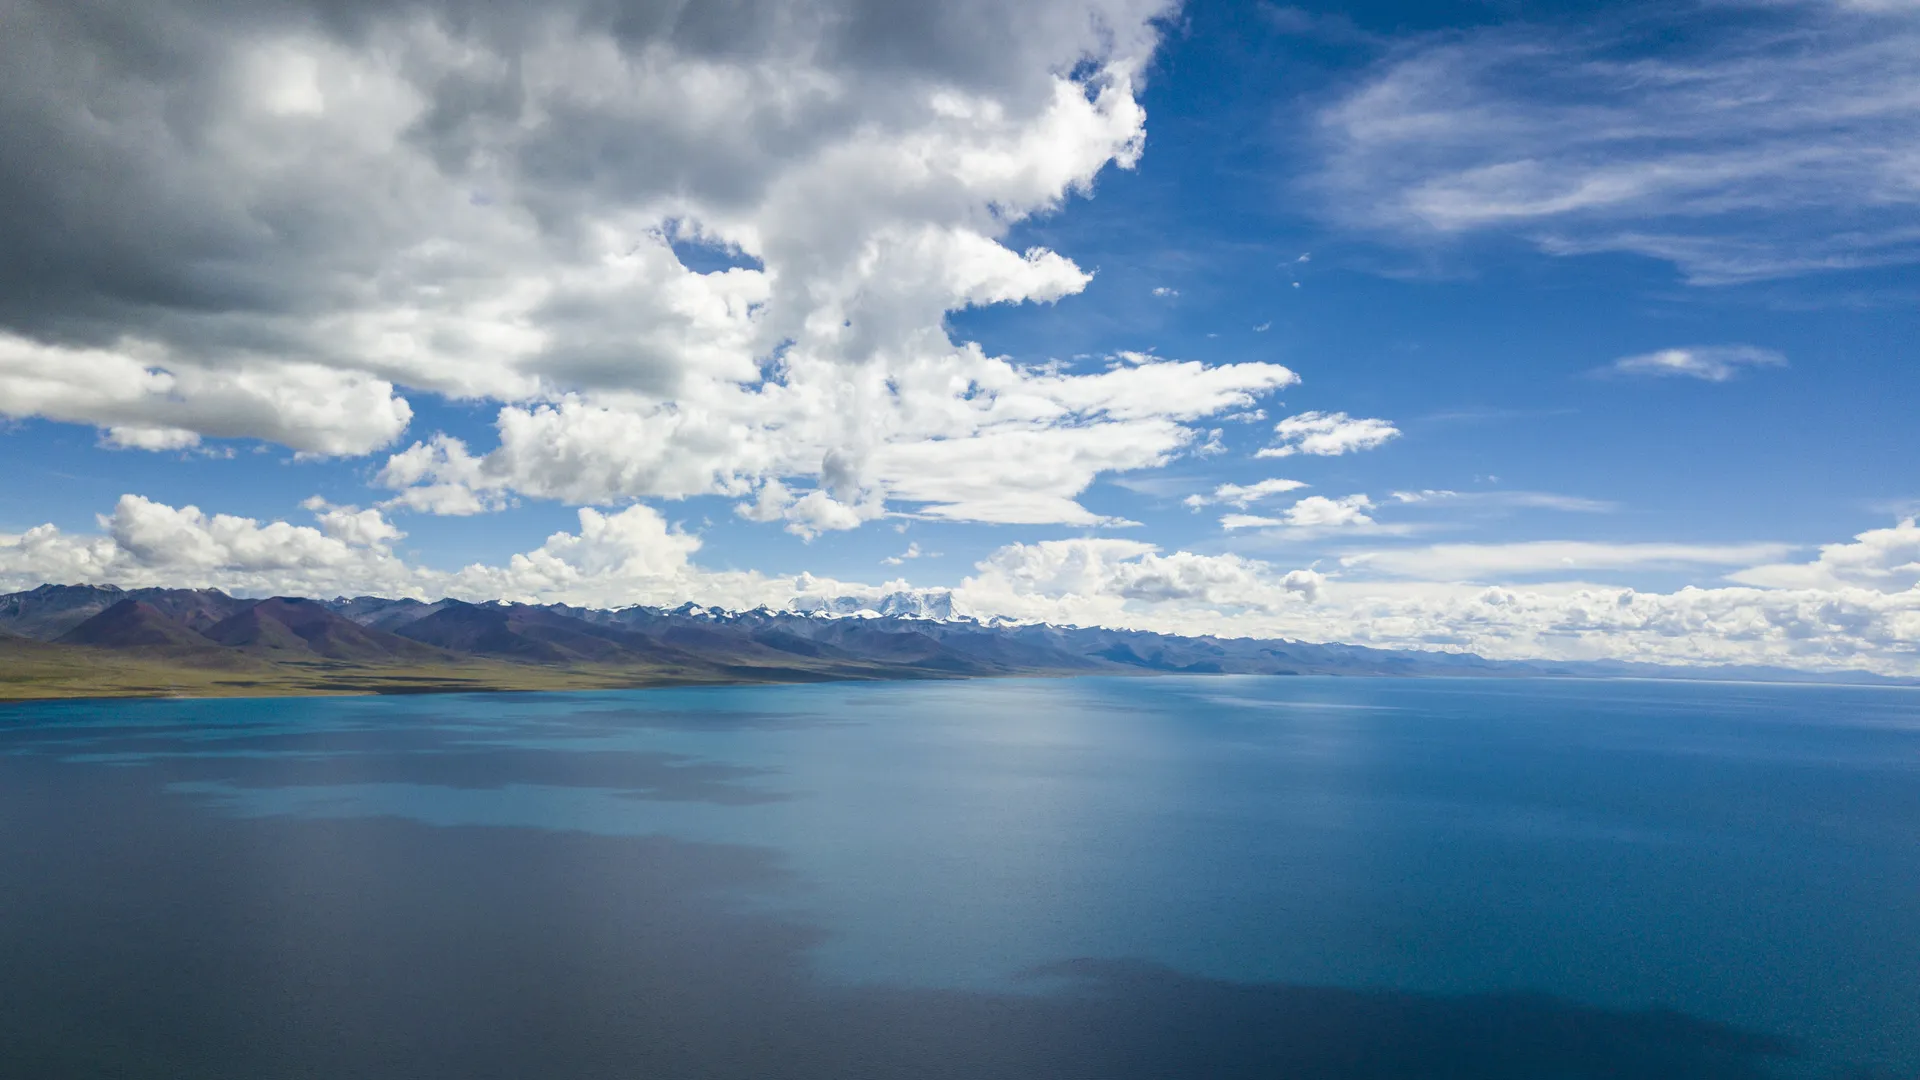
1205, 876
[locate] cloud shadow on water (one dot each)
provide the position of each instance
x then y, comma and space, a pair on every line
145, 937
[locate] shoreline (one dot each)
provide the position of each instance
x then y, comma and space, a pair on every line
599, 683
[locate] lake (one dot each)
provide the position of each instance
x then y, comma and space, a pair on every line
1211, 876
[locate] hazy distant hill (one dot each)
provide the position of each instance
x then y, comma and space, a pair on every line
51, 610
73, 640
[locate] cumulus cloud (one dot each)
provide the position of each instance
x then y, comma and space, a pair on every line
913, 552
1320, 511
686, 250
352, 525
1845, 627
613, 559
966, 437
1327, 435
1779, 144
143, 542
146, 396
1111, 582
1884, 560
1713, 363
148, 438
1315, 512
1852, 629
1855, 606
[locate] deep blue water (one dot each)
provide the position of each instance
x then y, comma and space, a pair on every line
1210, 876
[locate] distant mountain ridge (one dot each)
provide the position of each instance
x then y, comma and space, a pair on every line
133, 624
381, 644
49, 611
296, 624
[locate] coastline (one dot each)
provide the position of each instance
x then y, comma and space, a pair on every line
97, 642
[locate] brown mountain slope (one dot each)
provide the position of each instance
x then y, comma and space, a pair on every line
534, 635
293, 625
195, 609
133, 624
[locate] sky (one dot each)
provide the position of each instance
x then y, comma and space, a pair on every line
1535, 330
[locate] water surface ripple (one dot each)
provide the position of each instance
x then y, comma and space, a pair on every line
1327, 879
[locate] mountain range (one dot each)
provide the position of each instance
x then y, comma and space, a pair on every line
102, 640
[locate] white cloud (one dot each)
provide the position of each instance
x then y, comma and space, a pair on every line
818, 511
352, 525
1164, 292
1318, 511
1805, 629
614, 559
1327, 435
149, 543
1485, 562
1315, 512
147, 397
1097, 581
149, 438
1713, 363
1244, 495
1856, 606
1501, 500
965, 437
488, 208
1777, 146
1251, 521
913, 552
1320, 517
1885, 560
633, 553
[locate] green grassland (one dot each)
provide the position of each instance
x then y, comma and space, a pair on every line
31, 670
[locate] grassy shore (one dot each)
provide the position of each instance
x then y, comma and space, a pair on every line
31, 671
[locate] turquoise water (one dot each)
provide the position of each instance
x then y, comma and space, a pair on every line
1178, 876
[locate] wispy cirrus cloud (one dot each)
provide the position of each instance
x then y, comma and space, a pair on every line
1335, 28
1482, 562
1712, 363
1774, 141
1504, 500
1244, 495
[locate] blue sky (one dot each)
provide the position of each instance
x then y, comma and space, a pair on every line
1626, 292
